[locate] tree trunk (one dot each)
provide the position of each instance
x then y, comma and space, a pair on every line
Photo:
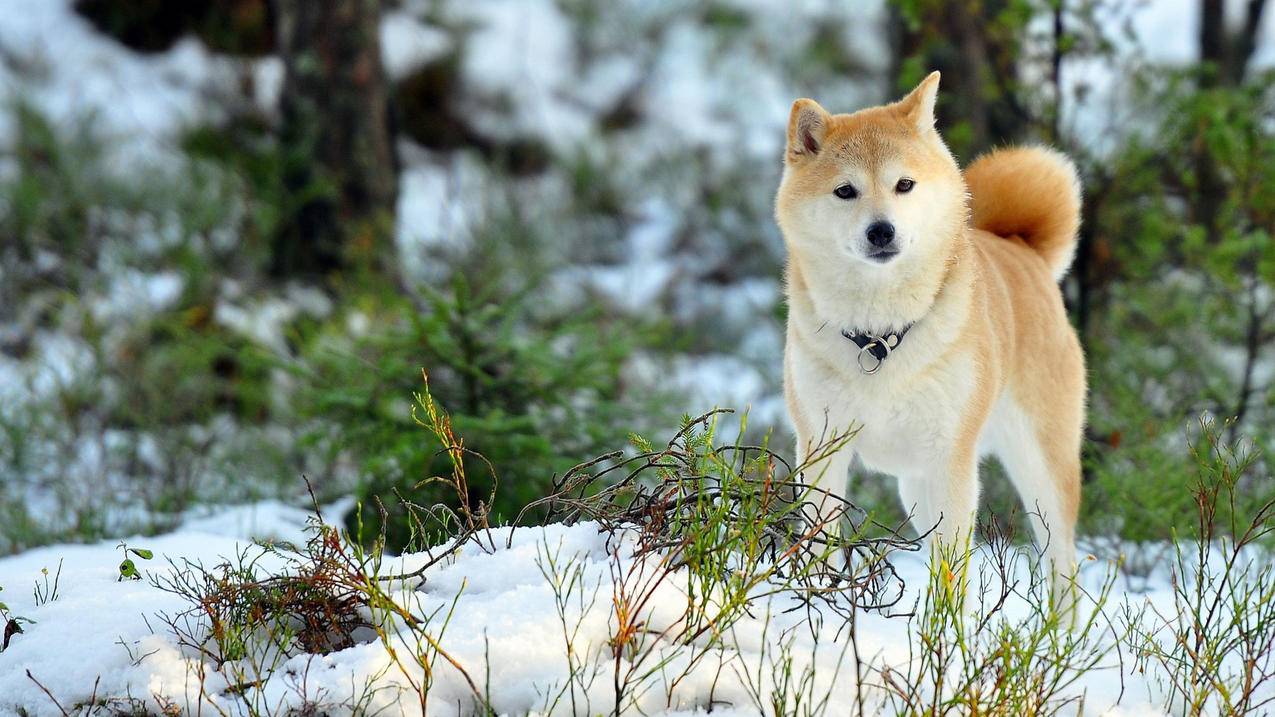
340, 175
1228, 53
1226, 58
1213, 39
979, 105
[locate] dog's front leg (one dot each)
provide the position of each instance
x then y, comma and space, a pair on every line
818, 494
824, 484
941, 496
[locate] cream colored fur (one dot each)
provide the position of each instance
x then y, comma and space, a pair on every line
990, 365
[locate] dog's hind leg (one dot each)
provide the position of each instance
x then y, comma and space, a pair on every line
1044, 467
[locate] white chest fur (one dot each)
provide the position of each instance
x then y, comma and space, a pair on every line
906, 414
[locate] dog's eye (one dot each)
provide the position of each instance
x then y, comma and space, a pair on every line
904, 186
845, 191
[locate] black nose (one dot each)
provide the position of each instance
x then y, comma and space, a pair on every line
880, 233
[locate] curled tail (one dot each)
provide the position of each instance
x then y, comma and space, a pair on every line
1032, 193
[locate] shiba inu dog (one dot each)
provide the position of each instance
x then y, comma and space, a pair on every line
924, 309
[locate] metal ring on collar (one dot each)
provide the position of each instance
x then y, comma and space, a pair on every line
867, 349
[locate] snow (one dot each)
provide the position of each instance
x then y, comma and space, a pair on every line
264, 320
134, 294
504, 628
522, 51
432, 209
266, 520
637, 284
407, 43
64, 359
59, 62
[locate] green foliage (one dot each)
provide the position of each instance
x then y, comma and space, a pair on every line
970, 654
534, 401
1171, 293
128, 567
978, 47
1184, 321
180, 368
46, 592
46, 205
124, 422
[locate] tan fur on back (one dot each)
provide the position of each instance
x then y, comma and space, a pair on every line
990, 364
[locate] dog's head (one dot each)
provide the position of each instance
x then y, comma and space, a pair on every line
874, 190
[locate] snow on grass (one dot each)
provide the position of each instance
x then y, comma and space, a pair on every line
504, 623
60, 62
433, 209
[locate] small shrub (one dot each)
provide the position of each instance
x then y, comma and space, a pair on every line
45, 592
128, 567
1214, 651
532, 401
969, 653
247, 620
742, 528
12, 624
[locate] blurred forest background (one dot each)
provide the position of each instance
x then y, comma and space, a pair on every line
233, 232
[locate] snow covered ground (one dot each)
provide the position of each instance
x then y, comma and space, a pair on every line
105, 638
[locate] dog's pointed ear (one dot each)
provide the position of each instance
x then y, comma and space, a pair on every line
807, 125
918, 106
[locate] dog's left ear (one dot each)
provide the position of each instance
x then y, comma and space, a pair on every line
918, 106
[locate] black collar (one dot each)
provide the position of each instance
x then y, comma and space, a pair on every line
876, 346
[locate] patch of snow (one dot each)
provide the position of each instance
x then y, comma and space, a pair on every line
523, 51
503, 626
724, 380
269, 520
265, 319
63, 360
1164, 33
60, 62
441, 201
430, 209
407, 43
681, 98
134, 293
267, 83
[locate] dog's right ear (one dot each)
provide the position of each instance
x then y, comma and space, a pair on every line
918, 106
807, 125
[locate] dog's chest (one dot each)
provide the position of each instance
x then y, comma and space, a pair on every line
905, 417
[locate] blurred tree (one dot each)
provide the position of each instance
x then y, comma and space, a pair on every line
1222, 203
341, 171
976, 44
241, 27
1227, 53
1224, 60
1188, 325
